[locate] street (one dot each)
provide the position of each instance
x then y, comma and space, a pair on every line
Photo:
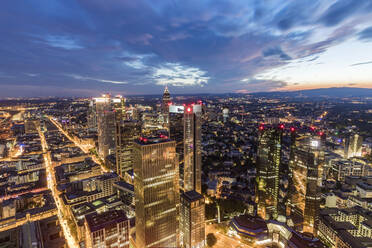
223, 241
51, 180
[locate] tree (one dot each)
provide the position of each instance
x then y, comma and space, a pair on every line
211, 239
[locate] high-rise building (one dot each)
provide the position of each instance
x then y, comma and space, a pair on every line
353, 146
92, 116
185, 129
107, 229
306, 163
108, 111
225, 114
156, 191
166, 101
268, 165
192, 220
126, 132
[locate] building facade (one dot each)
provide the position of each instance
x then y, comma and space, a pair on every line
268, 165
107, 229
156, 191
305, 196
353, 146
108, 110
185, 129
126, 132
192, 220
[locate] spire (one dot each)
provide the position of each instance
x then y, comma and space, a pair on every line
166, 100
166, 91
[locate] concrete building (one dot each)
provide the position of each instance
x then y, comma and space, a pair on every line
107, 229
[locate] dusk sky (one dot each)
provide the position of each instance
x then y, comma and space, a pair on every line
84, 48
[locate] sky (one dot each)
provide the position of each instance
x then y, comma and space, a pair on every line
128, 47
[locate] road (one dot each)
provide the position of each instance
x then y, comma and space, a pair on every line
85, 148
223, 240
52, 186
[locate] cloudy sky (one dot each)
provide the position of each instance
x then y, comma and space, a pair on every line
86, 47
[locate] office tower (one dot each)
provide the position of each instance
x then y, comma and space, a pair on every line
126, 132
185, 129
156, 192
268, 165
108, 110
107, 229
192, 220
353, 146
92, 116
166, 101
306, 161
225, 114
305, 198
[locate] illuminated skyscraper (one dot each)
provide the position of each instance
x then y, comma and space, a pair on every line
108, 111
192, 220
156, 192
306, 165
185, 129
166, 101
126, 132
353, 146
268, 165
92, 116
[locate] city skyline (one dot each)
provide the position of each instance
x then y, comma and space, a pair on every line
84, 48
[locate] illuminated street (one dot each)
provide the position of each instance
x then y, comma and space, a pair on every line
52, 186
83, 147
223, 240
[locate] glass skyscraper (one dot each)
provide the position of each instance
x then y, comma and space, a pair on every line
185, 129
268, 165
156, 191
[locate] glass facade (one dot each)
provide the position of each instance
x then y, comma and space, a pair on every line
305, 195
268, 165
192, 220
156, 192
126, 133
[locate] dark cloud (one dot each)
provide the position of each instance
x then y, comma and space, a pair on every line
341, 10
272, 51
217, 43
366, 34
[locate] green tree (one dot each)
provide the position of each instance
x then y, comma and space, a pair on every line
211, 239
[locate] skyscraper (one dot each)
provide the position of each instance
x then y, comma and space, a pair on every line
156, 192
108, 111
353, 146
92, 116
166, 101
126, 132
268, 165
306, 165
192, 220
185, 129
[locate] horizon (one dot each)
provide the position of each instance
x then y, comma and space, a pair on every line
187, 94
59, 48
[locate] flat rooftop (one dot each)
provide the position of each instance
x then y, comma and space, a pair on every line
191, 196
100, 221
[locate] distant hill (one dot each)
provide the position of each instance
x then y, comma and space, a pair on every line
338, 92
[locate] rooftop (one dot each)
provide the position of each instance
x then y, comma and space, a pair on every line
192, 196
152, 140
100, 221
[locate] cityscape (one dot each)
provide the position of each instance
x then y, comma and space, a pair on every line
186, 124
